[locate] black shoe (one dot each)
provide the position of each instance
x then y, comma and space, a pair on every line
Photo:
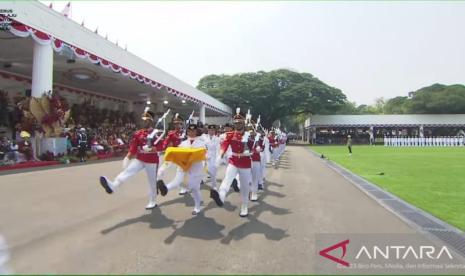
235, 186
202, 183
104, 183
162, 187
260, 187
216, 197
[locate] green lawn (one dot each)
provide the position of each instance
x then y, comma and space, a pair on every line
432, 179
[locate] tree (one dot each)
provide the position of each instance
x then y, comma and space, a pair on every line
276, 94
437, 99
379, 105
395, 105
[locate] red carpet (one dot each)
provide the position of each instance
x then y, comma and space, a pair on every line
29, 164
105, 155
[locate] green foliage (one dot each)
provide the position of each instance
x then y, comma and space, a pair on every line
284, 94
276, 94
438, 99
395, 105
434, 99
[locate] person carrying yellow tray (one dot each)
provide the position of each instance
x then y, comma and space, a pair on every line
189, 157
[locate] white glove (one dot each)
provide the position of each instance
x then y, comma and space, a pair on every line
258, 149
126, 162
146, 148
246, 152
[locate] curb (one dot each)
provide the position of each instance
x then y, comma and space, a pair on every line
415, 217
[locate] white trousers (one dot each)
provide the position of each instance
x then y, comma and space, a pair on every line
257, 177
274, 155
245, 177
281, 149
134, 167
212, 170
263, 166
195, 176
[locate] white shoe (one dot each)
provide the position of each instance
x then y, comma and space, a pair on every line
253, 196
244, 210
183, 191
152, 204
195, 211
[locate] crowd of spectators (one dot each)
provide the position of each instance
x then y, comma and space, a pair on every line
102, 140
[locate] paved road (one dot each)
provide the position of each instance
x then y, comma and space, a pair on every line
61, 221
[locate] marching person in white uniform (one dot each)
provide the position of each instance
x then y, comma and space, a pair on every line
212, 143
195, 173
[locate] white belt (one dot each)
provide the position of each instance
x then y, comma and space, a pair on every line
240, 154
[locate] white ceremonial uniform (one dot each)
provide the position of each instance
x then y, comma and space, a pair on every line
461, 141
195, 173
264, 158
213, 149
385, 141
145, 159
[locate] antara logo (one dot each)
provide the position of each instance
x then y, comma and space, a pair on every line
343, 245
401, 252
397, 252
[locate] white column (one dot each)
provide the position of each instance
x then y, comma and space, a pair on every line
42, 69
202, 113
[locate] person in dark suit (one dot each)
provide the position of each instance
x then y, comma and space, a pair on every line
82, 144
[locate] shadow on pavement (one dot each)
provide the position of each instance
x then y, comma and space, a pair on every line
254, 226
205, 228
155, 219
198, 227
